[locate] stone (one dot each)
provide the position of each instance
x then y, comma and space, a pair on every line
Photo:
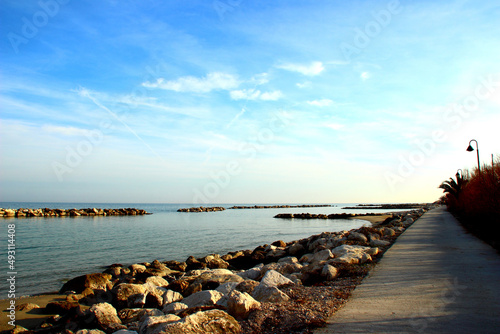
227, 287
247, 286
279, 243
240, 304
154, 297
213, 278
356, 236
212, 321
379, 243
137, 268
60, 307
155, 324
322, 255
90, 331
179, 285
388, 232
105, 316
92, 281
274, 278
26, 307
296, 248
253, 273
350, 254
174, 308
171, 296
329, 272
157, 281
125, 331
269, 294
124, 291
128, 315
203, 298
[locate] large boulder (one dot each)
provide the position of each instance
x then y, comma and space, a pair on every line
203, 298
213, 278
171, 296
174, 308
269, 294
129, 294
274, 278
351, 254
240, 304
100, 281
212, 321
137, 314
105, 317
155, 324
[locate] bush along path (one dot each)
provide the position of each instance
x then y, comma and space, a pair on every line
277, 288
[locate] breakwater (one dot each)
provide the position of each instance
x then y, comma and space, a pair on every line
46, 212
323, 216
239, 207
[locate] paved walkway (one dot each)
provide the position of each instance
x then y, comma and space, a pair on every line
436, 278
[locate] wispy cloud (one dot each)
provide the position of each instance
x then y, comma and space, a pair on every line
212, 81
365, 76
321, 103
65, 130
255, 94
314, 68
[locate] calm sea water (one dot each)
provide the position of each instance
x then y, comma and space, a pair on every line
49, 251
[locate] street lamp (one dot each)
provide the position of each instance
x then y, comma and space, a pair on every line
470, 149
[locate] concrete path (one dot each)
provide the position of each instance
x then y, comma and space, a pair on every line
436, 278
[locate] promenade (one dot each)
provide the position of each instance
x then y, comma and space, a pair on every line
436, 278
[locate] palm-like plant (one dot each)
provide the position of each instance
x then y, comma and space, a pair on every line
453, 187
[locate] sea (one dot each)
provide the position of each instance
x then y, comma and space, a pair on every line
50, 251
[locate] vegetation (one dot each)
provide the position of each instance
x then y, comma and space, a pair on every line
474, 198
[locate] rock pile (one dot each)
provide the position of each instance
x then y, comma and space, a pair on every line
214, 294
281, 206
202, 209
46, 212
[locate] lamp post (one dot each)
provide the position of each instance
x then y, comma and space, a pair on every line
470, 149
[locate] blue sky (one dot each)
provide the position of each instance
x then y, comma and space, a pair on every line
244, 101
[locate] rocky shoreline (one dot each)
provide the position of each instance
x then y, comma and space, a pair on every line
282, 287
46, 212
323, 216
409, 206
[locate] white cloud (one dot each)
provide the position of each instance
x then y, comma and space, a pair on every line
65, 130
271, 96
255, 94
260, 79
365, 76
315, 68
213, 81
334, 126
321, 103
303, 84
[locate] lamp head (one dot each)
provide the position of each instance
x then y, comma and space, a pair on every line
470, 148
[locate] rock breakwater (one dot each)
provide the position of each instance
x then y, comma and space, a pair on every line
46, 212
281, 206
274, 288
202, 209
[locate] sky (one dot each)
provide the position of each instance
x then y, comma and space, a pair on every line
239, 101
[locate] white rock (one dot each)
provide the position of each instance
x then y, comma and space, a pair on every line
203, 298
274, 278
212, 321
322, 255
240, 304
226, 288
157, 281
269, 294
379, 243
171, 296
253, 273
174, 308
154, 325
